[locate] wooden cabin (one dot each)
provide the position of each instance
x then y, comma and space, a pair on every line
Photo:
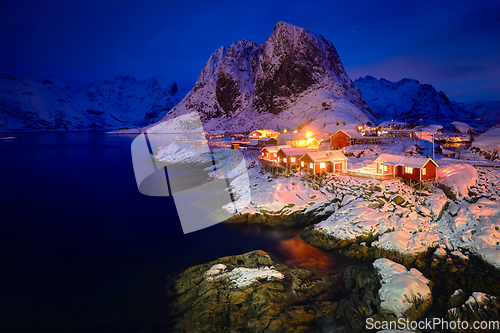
269, 154
267, 141
258, 134
344, 138
411, 167
315, 162
237, 137
289, 157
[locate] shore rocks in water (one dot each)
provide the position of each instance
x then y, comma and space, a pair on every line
479, 307
248, 293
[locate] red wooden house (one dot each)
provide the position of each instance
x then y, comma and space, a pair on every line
258, 134
414, 168
237, 137
289, 157
323, 161
269, 154
349, 137
267, 141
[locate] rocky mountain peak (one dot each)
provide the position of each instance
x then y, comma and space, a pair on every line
244, 84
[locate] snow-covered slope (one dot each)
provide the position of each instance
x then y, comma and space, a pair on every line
293, 78
408, 99
47, 103
488, 144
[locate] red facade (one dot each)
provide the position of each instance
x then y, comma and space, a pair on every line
339, 140
328, 166
289, 161
428, 171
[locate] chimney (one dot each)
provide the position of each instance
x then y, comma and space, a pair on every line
427, 156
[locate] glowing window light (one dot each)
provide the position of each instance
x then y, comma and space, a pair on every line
424, 171
322, 165
311, 165
302, 164
408, 170
292, 159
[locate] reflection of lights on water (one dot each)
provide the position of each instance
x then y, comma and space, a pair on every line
304, 255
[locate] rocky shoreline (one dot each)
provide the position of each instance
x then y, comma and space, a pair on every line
282, 298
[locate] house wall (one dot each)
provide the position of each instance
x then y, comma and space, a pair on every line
293, 164
339, 140
306, 160
415, 175
390, 169
431, 171
257, 136
339, 166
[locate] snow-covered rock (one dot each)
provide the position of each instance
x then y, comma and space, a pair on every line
456, 179
401, 288
489, 142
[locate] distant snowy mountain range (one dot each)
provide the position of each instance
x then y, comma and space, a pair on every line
294, 79
408, 99
47, 103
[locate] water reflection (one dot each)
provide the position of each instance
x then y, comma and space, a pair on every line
304, 255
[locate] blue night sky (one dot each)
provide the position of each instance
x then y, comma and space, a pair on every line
453, 45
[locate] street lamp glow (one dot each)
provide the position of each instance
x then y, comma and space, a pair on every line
308, 134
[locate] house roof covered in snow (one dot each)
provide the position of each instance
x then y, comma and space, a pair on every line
274, 149
266, 139
411, 161
294, 151
265, 132
292, 136
326, 155
351, 132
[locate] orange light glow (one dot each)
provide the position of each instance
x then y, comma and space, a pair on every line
304, 255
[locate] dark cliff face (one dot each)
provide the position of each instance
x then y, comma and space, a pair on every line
292, 61
236, 76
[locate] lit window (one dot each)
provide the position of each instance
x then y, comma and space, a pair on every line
408, 170
311, 165
424, 171
267, 155
254, 134
278, 159
385, 167
322, 165
302, 164
292, 159
262, 154
380, 166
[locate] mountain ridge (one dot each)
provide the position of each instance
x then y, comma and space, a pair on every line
408, 99
46, 103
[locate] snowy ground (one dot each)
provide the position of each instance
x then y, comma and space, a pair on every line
406, 220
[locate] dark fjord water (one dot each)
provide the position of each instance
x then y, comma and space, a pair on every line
83, 251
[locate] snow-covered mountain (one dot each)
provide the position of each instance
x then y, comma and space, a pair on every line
48, 104
408, 99
293, 78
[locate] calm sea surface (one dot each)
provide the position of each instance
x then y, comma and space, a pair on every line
83, 251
